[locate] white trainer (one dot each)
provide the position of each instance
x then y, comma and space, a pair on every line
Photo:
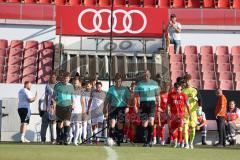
186, 146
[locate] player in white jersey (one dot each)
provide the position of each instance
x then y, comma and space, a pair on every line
95, 106
77, 112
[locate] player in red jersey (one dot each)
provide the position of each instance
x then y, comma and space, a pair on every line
177, 101
131, 118
161, 116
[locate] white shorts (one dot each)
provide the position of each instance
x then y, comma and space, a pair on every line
97, 120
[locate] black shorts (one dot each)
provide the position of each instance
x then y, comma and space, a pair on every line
117, 113
63, 113
147, 110
23, 114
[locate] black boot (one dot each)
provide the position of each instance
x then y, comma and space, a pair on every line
204, 140
150, 135
145, 136
66, 134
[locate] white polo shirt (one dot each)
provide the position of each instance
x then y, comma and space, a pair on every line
173, 34
23, 98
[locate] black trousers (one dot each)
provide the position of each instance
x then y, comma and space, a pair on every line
221, 130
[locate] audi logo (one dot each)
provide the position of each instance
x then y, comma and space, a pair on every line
97, 20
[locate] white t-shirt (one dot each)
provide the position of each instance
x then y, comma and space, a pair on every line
173, 33
23, 98
77, 104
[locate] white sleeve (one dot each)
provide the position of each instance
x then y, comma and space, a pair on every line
28, 94
179, 26
204, 117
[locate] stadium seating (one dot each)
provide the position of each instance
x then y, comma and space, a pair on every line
223, 4
149, 3
134, 3
164, 3
210, 85
3, 43
30, 1
16, 44
178, 4
194, 4
235, 50
60, 2
31, 44
45, 1
74, 2
208, 4
236, 4
119, 3
90, 2
104, 3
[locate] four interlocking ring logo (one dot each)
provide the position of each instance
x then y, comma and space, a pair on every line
127, 21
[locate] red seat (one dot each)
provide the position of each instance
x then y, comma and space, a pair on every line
74, 2
29, 70
225, 76
13, 78
14, 1
210, 85
235, 50
176, 66
222, 50
30, 1
208, 58
190, 50
31, 78
119, 3
223, 4
3, 43
208, 67
194, 4
90, 2
2, 69
45, 1
208, 4
15, 52
237, 77
60, 2
45, 61
206, 50
196, 83
47, 45
236, 68
31, 53
226, 85
209, 75
134, 3
195, 74
171, 50
191, 67
164, 3
14, 69
224, 67
1, 78
223, 59
46, 53
2, 60
31, 61
104, 3
1, 1
149, 3
16, 44
14, 61
237, 86
236, 4
178, 4
191, 58
3, 53
43, 74
175, 74
31, 44
176, 58
235, 59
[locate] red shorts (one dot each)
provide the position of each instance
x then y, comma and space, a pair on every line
163, 118
176, 122
132, 117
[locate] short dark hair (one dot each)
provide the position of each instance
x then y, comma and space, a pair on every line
177, 85
187, 77
98, 83
26, 82
66, 74
173, 15
118, 76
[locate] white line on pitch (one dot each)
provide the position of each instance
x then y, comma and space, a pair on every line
111, 154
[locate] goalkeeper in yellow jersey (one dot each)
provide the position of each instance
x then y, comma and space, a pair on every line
189, 128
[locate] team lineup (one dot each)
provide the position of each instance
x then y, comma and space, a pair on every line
76, 112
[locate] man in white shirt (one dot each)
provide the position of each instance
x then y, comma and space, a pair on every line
25, 99
174, 32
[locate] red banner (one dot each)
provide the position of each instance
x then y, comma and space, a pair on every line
96, 21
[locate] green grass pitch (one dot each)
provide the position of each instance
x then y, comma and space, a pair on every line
14, 151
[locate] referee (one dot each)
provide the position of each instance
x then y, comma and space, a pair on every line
63, 99
148, 91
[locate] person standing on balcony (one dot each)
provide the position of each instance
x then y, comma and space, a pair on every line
174, 33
